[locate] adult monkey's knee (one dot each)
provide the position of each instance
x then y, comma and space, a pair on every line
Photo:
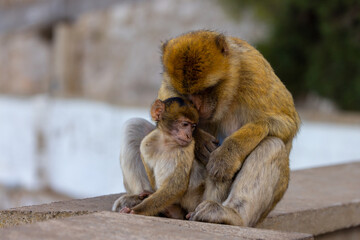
261, 182
134, 174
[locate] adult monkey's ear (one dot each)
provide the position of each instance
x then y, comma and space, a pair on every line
221, 44
157, 109
163, 46
163, 49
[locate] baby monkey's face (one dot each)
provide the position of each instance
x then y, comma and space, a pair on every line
182, 131
176, 117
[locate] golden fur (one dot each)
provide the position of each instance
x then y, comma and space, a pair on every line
243, 104
251, 104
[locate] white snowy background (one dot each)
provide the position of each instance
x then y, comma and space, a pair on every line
79, 150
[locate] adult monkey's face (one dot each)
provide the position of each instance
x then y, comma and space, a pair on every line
196, 64
205, 102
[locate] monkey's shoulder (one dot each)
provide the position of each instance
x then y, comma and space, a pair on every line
150, 142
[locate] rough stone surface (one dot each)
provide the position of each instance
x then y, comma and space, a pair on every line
348, 234
31, 214
116, 51
96, 204
17, 196
318, 201
108, 225
24, 64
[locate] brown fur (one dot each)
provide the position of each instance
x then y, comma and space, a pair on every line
244, 102
174, 175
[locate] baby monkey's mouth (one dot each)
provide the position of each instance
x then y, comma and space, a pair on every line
183, 142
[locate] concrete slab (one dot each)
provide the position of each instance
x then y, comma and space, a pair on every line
348, 234
55, 210
108, 225
318, 201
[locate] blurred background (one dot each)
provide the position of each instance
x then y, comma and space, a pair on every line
73, 71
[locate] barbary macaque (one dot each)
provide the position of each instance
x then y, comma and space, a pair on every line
243, 104
167, 153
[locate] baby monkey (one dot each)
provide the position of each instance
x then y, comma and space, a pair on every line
167, 152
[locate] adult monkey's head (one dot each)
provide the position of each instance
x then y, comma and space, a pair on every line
196, 64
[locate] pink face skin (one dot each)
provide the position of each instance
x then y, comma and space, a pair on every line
182, 131
204, 105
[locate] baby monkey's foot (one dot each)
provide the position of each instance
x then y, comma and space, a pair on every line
129, 201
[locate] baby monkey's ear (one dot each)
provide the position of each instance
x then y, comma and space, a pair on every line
157, 109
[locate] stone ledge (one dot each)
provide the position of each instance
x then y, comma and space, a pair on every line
318, 201
56, 210
109, 225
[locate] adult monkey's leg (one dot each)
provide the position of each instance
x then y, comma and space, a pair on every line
259, 185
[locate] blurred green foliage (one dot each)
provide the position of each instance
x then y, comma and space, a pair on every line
314, 46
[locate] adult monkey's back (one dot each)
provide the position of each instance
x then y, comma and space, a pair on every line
243, 102
240, 101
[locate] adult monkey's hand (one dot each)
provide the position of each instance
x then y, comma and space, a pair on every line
205, 144
225, 161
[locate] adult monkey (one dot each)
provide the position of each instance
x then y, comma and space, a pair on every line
240, 101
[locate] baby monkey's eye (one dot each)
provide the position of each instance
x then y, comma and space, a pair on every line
185, 124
